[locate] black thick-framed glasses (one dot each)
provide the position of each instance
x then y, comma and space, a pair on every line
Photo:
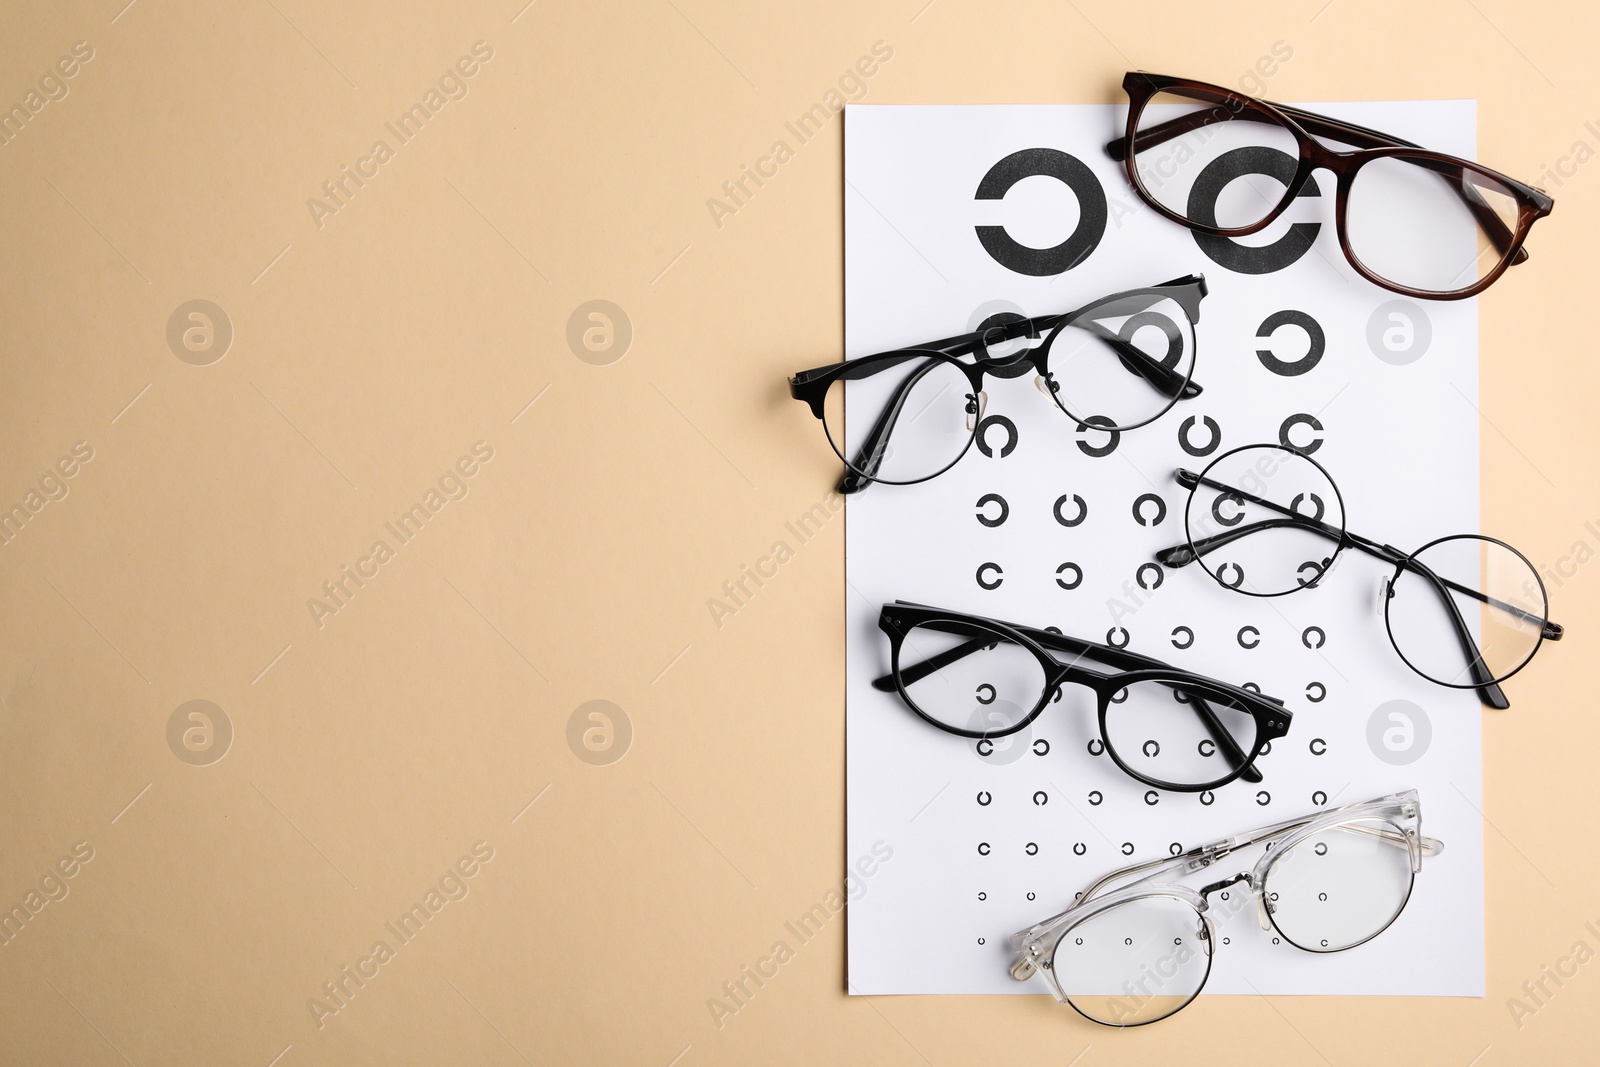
1116, 363
982, 678
1415, 222
1267, 520
1137, 945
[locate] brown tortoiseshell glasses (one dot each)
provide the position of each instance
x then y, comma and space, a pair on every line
1415, 222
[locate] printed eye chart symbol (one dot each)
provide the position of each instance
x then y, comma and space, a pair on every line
955, 214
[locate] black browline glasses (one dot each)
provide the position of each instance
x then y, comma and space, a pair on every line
1266, 520
981, 678
1117, 363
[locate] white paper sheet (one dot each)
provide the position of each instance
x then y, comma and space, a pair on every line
1400, 436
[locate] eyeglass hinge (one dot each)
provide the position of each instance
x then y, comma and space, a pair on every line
1206, 855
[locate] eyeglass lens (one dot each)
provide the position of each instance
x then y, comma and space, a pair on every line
1134, 963
1493, 590
924, 402
1265, 520
1142, 960
1418, 222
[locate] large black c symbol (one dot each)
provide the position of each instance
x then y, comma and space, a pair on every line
1044, 262
1222, 171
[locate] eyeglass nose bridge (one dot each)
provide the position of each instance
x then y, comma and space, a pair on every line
1263, 908
1320, 157
1248, 880
1314, 157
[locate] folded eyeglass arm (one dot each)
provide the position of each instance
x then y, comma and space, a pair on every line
1150, 868
1550, 631
1494, 227
876, 445
1360, 136
1120, 658
1431, 846
1206, 855
1184, 554
870, 456
1166, 381
873, 448
1226, 745
1483, 679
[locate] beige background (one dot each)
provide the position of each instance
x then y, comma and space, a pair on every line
371, 753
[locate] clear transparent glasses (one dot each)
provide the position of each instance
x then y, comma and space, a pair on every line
907, 415
1135, 947
1465, 611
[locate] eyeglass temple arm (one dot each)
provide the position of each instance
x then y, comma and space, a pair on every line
1183, 554
870, 456
1231, 752
1495, 229
1431, 846
1483, 679
1108, 656
1165, 380
800, 379
1192, 860
1103, 654
1550, 631
1150, 869
1180, 555
1362, 137
1205, 855
1201, 857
